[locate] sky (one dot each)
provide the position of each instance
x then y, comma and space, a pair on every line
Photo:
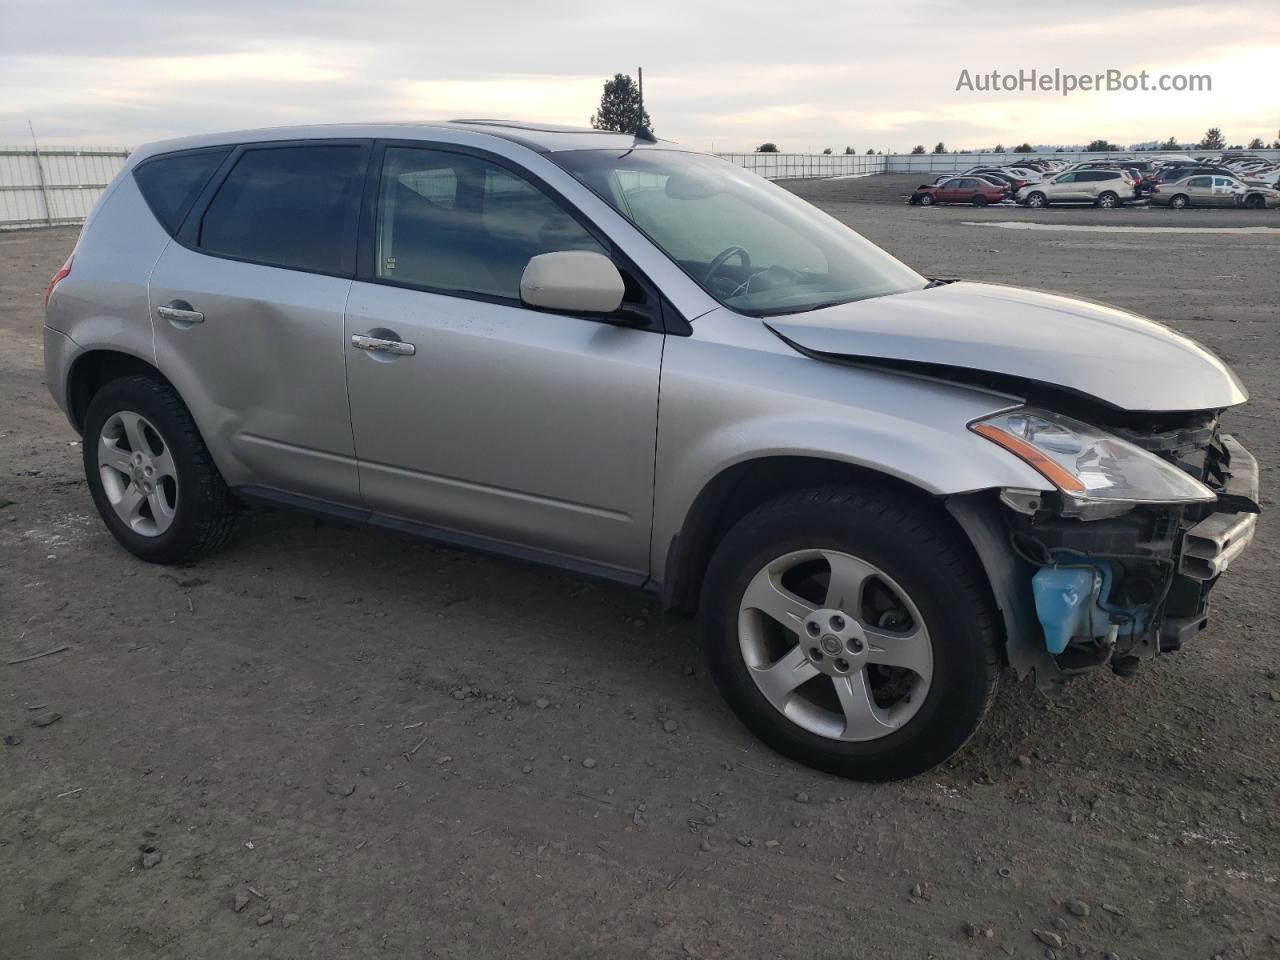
718, 75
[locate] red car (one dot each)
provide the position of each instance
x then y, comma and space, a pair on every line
959, 190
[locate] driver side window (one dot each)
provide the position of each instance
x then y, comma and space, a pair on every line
455, 223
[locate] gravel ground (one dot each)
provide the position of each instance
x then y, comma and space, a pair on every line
333, 742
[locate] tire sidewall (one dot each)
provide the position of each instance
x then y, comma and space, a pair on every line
139, 395
962, 675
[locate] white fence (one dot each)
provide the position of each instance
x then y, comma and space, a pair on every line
59, 185
54, 185
788, 166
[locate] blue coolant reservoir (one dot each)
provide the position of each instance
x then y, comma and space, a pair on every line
1065, 604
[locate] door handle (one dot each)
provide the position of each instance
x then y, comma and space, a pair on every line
179, 311
378, 345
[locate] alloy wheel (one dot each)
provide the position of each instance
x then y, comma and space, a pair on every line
835, 645
138, 473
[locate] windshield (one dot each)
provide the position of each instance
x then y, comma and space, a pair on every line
750, 244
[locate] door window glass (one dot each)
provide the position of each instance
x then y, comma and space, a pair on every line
288, 207
460, 224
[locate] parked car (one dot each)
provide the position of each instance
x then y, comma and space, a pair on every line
874, 488
1215, 191
975, 190
1103, 188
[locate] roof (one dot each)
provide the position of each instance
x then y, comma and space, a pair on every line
542, 137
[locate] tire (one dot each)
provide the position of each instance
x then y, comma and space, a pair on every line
926, 200
1108, 200
1255, 201
1037, 200
1180, 201
921, 563
979, 200
186, 510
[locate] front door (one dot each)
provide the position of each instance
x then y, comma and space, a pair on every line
247, 308
491, 420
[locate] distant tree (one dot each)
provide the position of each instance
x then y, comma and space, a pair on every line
1257, 144
1213, 140
1275, 145
767, 148
918, 148
620, 106
1099, 146
849, 150
998, 148
939, 147
1024, 148
827, 151
870, 151
1171, 144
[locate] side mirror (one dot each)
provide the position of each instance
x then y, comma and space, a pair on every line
572, 281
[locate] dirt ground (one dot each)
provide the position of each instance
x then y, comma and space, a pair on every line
377, 747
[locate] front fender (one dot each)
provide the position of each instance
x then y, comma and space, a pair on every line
721, 406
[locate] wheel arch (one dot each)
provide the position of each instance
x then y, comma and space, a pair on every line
94, 369
741, 487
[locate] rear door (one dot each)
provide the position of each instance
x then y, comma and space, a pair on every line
247, 309
495, 422
1200, 190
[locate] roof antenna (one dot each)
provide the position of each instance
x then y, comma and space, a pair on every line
642, 134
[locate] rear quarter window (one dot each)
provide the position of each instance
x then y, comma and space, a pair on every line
171, 184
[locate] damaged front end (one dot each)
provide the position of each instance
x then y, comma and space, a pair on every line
1117, 562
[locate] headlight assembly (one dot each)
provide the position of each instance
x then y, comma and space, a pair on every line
1098, 473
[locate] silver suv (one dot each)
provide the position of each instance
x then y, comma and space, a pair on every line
615, 356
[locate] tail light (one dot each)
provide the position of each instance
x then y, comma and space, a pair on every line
58, 277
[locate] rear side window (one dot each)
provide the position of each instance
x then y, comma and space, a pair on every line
171, 184
288, 207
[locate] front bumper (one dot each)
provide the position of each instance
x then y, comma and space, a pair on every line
1154, 567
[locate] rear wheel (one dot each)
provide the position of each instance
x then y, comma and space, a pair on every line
150, 475
979, 200
853, 632
1180, 201
1255, 201
1037, 200
1108, 200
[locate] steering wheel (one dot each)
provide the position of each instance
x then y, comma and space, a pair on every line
723, 257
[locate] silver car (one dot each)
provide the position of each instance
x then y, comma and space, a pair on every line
625, 359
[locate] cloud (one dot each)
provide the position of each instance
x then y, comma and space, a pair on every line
729, 74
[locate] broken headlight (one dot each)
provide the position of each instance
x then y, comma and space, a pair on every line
1098, 473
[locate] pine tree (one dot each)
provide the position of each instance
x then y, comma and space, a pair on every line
620, 107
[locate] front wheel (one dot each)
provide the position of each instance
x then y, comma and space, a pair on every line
926, 200
150, 475
1037, 200
853, 632
1180, 202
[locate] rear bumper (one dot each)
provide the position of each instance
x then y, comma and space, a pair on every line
59, 351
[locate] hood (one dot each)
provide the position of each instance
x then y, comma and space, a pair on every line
1110, 355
